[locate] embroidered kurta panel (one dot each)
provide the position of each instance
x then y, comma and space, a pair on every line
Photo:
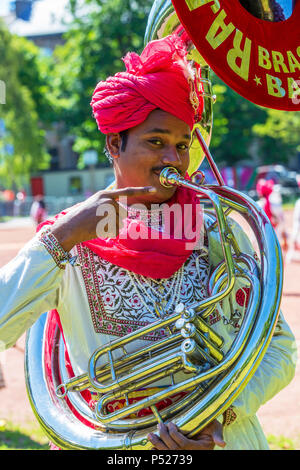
118, 300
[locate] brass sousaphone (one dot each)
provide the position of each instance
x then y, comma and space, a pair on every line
214, 378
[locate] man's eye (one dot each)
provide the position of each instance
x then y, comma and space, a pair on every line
155, 141
182, 146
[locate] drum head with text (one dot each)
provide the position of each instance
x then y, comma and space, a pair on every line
258, 59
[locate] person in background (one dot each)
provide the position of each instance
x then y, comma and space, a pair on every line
295, 242
271, 202
19, 203
2, 380
38, 211
296, 226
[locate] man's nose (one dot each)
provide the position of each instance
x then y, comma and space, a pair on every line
171, 156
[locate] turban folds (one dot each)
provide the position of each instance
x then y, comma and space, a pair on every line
159, 78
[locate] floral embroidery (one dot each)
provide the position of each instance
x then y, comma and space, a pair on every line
214, 317
135, 397
115, 306
53, 247
242, 296
234, 320
229, 416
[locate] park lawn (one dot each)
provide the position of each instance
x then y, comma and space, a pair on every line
31, 437
28, 437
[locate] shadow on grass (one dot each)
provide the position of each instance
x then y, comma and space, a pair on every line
18, 440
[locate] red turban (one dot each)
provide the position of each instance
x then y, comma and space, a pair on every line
160, 77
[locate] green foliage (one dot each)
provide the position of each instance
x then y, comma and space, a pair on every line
283, 126
103, 32
23, 71
245, 131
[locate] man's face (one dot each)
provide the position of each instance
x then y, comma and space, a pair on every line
161, 140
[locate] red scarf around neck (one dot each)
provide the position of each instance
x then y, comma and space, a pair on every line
152, 254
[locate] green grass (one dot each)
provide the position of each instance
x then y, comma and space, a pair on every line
283, 443
289, 205
29, 437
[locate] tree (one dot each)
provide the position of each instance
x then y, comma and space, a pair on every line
234, 117
283, 129
245, 131
102, 33
22, 144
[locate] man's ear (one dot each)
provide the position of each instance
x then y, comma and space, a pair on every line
113, 144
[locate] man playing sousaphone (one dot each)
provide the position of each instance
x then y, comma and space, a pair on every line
102, 281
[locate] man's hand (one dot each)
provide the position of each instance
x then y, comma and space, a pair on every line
170, 438
84, 221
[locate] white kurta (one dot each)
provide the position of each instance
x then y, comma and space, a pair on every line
97, 302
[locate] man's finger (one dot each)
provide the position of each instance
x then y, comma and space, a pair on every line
217, 436
157, 443
116, 193
177, 436
205, 443
166, 438
213, 431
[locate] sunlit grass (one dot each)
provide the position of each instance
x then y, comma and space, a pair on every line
29, 437
283, 443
